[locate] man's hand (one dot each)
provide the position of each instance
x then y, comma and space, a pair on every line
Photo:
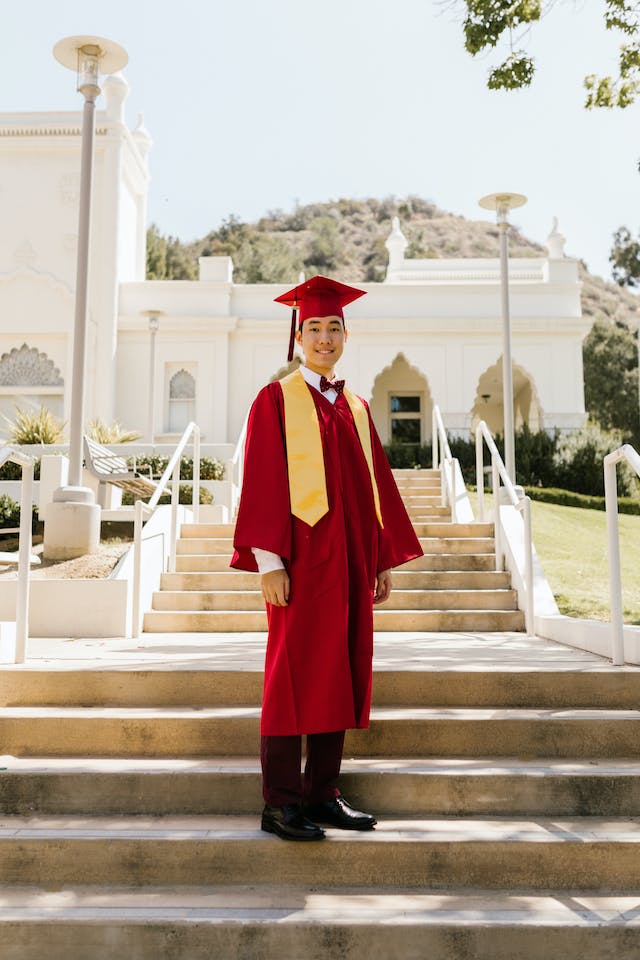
275, 587
383, 586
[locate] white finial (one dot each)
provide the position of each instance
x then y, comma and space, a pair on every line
301, 277
396, 243
116, 91
142, 137
555, 242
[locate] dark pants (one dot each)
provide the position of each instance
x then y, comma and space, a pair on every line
281, 759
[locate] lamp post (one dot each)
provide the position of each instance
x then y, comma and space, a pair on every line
502, 203
154, 324
87, 56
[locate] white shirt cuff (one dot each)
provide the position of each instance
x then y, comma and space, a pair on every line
266, 560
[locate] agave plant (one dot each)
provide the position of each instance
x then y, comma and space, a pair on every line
31, 426
111, 432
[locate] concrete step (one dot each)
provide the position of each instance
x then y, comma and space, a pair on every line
403, 473
394, 732
409, 787
220, 563
242, 621
451, 562
402, 580
448, 544
314, 922
400, 600
485, 685
500, 853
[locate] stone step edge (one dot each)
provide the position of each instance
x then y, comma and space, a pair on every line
384, 714
465, 907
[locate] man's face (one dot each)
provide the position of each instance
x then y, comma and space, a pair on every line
322, 340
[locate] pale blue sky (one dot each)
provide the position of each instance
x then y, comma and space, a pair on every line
254, 104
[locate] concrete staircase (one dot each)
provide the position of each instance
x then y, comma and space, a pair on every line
455, 586
504, 772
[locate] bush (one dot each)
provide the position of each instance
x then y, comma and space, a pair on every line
13, 471
10, 512
210, 468
30, 426
566, 498
578, 462
405, 456
185, 496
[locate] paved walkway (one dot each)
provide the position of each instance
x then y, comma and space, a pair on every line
233, 651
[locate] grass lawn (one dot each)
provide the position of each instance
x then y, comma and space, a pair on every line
572, 545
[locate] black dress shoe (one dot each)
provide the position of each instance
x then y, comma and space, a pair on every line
338, 813
290, 823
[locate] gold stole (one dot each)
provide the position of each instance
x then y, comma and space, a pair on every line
305, 459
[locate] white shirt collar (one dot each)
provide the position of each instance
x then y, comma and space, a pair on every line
313, 379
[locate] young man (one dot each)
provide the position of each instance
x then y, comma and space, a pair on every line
321, 519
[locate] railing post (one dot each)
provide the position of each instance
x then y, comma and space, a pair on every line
480, 470
195, 502
24, 561
497, 525
175, 503
454, 493
137, 569
434, 439
615, 580
528, 568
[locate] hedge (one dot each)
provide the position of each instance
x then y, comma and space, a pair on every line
567, 498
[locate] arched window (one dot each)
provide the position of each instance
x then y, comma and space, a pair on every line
182, 400
29, 379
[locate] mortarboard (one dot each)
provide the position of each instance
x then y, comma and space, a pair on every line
317, 297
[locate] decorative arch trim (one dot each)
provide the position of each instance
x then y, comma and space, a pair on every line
26, 367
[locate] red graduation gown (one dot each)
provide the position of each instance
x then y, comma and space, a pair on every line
320, 646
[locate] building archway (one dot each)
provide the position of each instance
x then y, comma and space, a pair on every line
29, 379
401, 404
488, 402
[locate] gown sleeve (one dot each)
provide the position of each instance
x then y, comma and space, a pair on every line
264, 515
397, 541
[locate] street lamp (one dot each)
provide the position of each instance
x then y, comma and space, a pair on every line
87, 56
502, 203
154, 324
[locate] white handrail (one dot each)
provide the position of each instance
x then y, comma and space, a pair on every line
443, 461
234, 469
24, 547
522, 504
142, 510
628, 453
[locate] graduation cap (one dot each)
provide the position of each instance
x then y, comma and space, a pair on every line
317, 297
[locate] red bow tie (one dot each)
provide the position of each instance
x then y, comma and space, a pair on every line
337, 385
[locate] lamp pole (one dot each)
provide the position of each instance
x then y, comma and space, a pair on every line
72, 520
154, 324
502, 203
88, 56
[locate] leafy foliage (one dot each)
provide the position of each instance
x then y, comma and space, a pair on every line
487, 22
167, 258
578, 462
13, 471
210, 468
35, 426
566, 498
625, 258
10, 512
610, 359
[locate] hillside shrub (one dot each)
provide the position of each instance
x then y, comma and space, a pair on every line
578, 462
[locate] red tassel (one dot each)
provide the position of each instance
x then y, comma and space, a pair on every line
292, 336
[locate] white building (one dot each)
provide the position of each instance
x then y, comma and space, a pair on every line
430, 334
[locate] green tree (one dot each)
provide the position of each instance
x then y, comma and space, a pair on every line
625, 258
610, 359
490, 22
168, 258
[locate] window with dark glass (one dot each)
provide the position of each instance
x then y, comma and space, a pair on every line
406, 418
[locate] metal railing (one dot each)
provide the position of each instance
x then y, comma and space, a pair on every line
443, 461
234, 470
522, 504
627, 453
143, 511
24, 547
